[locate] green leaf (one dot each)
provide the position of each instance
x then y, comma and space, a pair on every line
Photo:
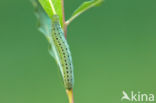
53, 6
84, 7
44, 22
87, 5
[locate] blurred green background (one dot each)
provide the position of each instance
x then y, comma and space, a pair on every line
113, 48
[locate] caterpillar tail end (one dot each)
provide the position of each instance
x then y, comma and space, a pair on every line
70, 95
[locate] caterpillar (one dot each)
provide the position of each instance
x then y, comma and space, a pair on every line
59, 49
62, 52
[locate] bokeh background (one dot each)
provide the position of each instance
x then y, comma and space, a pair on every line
113, 48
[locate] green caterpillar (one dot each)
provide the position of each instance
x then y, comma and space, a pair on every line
59, 48
62, 52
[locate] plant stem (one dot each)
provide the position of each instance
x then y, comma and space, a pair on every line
65, 30
64, 22
70, 95
68, 91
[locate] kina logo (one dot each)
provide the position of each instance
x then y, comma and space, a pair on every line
137, 97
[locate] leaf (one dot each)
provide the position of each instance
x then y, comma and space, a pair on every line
52, 6
87, 5
44, 25
44, 22
84, 7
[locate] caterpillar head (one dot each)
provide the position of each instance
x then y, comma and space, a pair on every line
55, 18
